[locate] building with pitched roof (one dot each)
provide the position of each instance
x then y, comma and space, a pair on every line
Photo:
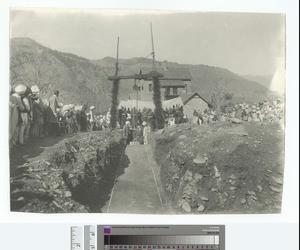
175, 81
175, 91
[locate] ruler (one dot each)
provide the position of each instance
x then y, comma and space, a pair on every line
90, 237
77, 238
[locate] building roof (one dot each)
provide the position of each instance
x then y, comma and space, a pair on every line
172, 83
183, 74
149, 104
187, 97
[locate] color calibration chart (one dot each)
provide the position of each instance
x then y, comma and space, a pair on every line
152, 237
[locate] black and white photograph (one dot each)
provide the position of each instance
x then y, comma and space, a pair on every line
146, 112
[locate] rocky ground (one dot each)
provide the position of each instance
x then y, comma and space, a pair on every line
222, 168
73, 174
218, 168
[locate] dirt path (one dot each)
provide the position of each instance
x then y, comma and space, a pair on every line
138, 190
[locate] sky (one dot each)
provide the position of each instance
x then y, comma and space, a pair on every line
247, 44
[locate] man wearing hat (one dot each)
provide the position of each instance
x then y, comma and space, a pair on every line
15, 107
92, 118
126, 132
38, 112
26, 116
53, 103
146, 132
82, 118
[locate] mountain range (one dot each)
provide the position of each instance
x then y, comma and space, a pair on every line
84, 81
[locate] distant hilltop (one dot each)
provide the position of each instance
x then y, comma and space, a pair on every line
84, 81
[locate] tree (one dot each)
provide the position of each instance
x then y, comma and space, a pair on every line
221, 97
17, 62
114, 104
158, 112
33, 69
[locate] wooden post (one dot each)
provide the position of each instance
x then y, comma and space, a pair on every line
153, 53
158, 112
115, 92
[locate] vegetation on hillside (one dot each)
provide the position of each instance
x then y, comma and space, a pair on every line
82, 81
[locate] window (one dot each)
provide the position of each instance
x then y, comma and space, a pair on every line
150, 87
175, 91
167, 90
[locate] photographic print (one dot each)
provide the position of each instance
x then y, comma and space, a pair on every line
146, 112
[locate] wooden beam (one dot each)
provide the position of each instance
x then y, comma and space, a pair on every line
149, 76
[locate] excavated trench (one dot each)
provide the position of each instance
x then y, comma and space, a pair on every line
76, 176
94, 181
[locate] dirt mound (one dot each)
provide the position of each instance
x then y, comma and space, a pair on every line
223, 167
75, 175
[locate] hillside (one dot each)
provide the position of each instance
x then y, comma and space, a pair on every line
82, 81
263, 80
205, 79
79, 81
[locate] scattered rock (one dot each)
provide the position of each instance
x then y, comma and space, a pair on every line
259, 188
55, 186
186, 207
243, 201
169, 187
201, 208
175, 177
200, 161
188, 176
182, 137
188, 190
217, 173
55, 203
277, 180
68, 194
21, 198
251, 192
204, 198
275, 189
236, 120
232, 177
232, 188
47, 163
198, 177
58, 191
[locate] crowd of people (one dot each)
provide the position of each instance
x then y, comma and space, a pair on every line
266, 111
31, 116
